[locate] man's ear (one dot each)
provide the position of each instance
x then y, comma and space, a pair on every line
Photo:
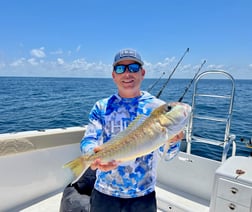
143, 72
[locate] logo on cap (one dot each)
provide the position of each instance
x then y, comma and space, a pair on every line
127, 53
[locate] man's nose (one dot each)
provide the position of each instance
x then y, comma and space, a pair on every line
127, 70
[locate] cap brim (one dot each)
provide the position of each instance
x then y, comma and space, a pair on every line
128, 58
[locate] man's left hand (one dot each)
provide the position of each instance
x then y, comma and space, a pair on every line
177, 137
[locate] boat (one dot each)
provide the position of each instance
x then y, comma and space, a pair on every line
32, 177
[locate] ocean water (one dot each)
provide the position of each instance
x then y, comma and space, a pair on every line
30, 103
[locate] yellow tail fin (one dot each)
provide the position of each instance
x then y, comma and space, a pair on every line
78, 166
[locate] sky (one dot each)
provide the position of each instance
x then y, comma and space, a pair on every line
79, 38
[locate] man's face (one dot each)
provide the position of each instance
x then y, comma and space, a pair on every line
128, 83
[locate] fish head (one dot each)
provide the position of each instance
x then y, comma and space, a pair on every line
174, 116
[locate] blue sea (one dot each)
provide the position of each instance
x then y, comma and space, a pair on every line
37, 103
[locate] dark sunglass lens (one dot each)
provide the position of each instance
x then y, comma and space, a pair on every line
134, 67
119, 69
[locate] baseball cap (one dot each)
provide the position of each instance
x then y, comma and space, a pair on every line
128, 54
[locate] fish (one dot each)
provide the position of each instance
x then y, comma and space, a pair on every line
144, 135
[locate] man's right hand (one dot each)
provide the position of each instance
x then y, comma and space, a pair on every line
98, 164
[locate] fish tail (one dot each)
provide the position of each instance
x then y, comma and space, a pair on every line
78, 166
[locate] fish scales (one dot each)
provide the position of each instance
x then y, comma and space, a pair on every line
135, 144
164, 122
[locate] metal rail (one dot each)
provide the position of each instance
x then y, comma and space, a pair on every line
228, 139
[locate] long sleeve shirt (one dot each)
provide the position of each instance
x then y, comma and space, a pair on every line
108, 117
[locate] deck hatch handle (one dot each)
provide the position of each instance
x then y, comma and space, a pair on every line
234, 190
232, 206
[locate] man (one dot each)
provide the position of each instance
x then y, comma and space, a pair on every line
126, 186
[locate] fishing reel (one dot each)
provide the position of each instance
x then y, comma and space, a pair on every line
247, 141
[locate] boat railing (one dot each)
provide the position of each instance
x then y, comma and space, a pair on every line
216, 98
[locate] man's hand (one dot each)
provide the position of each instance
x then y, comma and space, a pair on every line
177, 137
97, 164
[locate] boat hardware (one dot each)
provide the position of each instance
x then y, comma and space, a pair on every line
247, 141
200, 94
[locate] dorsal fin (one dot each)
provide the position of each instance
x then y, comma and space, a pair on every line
136, 122
132, 126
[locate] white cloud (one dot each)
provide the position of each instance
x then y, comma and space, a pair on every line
81, 64
18, 62
32, 61
214, 66
156, 69
159, 65
57, 52
169, 60
60, 61
63, 66
186, 67
39, 53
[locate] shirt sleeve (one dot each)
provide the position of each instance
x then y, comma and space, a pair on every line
172, 151
93, 133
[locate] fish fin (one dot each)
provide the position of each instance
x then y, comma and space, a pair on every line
166, 147
137, 121
132, 126
78, 166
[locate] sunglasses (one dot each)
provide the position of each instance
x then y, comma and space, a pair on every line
133, 68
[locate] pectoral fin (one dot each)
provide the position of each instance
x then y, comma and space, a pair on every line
166, 147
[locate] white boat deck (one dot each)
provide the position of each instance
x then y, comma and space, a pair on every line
52, 204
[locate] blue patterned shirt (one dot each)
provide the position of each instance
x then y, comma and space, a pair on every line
108, 117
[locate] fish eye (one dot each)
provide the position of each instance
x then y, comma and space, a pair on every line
169, 107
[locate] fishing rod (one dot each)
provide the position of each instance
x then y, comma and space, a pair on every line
187, 88
167, 81
152, 86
